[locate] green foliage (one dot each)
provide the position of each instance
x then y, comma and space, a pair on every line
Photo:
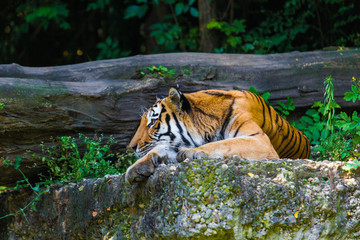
312, 125
355, 91
50, 32
334, 136
233, 41
22, 184
175, 32
45, 14
318, 125
329, 104
65, 162
354, 164
284, 109
264, 95
110, 49
2, 105
161, 71
167, 35
350, 125
125, 160
281, 108
336, 147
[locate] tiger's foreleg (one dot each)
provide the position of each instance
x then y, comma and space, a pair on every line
247, 147
145, 166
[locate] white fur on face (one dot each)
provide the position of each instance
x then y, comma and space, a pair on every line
152, 115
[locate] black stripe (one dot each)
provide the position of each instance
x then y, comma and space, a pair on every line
271, 120
263, 124
254, 134
168, 133
181, 130
227, 119
292, 154
192, 140
307, 148
286, 154
285, 146
258, 98
284, 137
237, 130
303, 149
277, 129
218, 94
208, 115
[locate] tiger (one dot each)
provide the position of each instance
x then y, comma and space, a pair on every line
212, 124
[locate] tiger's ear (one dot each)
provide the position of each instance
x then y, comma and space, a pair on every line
159, 97
179, 99
175, 96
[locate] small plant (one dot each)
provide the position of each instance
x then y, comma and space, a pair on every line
65, 162
355, 91
329, 104
2, 105
284, 109
160, 71
333, 148
125, 160
351, 165
22, 184
311, 126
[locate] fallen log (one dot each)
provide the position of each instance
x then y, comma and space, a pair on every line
108, 96
212, 199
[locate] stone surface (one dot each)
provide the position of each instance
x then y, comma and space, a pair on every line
108, 96
304, 203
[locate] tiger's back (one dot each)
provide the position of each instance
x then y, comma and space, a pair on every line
287, 140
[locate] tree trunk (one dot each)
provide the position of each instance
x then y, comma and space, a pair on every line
212, 199
108, 96
208, 38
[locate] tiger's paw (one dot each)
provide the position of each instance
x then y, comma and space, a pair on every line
142, 168
190, 153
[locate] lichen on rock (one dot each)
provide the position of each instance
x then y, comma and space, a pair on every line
212, 199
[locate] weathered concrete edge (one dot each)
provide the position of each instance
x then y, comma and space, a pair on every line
236, 199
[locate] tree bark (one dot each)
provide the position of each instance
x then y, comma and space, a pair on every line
108, 96
212, 199
208, 39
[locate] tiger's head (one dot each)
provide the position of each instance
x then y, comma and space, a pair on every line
166, 123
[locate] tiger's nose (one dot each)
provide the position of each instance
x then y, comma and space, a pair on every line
134, 147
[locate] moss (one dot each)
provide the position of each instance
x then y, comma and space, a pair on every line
204, 199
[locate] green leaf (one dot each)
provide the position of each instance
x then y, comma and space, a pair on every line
354, 89
253, 90
317, 104
17, 162
214, 24
239, 26
36, 188
33, 207
179, 8
135, 11
234, 41
194, 12
307, 120
344, 116
265, 96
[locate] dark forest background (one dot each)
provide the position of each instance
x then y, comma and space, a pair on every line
54, 32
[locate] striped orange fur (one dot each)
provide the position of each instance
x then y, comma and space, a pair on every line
215, 124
